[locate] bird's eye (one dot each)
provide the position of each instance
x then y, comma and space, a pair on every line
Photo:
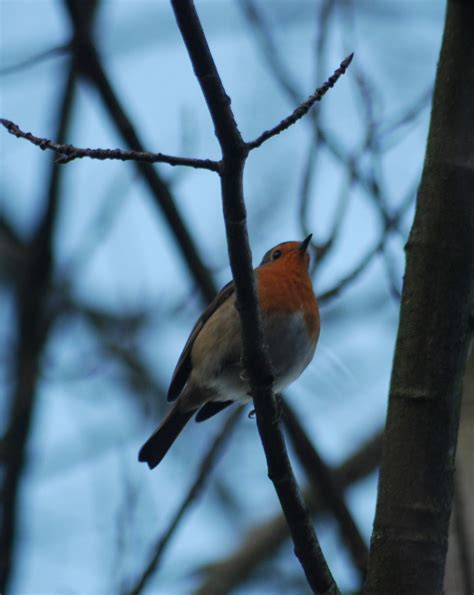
276, 254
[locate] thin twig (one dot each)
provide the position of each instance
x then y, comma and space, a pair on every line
353, 274
254, 14
34, 60
310, 170
272, 54
68, 153
303, 108
206, 466
370, 182
399, 122
372, 144
93, 70
378, 247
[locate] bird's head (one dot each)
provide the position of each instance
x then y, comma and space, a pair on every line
291, 253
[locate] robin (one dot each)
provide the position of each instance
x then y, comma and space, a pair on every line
209, 377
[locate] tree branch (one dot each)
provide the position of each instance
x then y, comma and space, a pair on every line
367, 258
37, 59
33, 326
262, 542
92, 69
272, 54
304, 108
207, 464
320, 476
256, 360
68, 153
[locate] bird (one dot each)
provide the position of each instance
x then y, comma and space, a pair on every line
208, 376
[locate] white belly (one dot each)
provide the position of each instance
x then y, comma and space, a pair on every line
291, 350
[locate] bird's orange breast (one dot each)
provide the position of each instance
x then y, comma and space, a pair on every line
283, 289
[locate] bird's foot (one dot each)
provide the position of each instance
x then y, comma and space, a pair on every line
244, 376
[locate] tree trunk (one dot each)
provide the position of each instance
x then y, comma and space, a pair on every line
459, 578
409, 540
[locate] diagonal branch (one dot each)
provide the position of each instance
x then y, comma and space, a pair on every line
93, 71
33, 327
256, 360
312, 161
263, 541
272, 53
37, 59
378, 246
321, 476
207, 464
304, 108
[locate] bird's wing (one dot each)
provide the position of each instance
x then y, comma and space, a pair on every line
184, 366
211, 408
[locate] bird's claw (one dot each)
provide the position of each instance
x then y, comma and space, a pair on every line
244, 376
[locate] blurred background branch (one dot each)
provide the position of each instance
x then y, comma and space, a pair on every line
205, 467
33, 324
263, 541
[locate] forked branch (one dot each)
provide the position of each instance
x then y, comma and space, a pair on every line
68, 152
256, 360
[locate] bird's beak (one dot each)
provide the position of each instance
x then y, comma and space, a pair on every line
304, 244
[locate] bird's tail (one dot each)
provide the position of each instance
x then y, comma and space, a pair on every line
155, 448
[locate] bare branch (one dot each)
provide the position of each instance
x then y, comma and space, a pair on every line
352, 275
256, 359
398, 123
310, 170
13, 251
37, 59
68, 153
378, 247
325, 138
92, 69
262, 542
304, 108
33, 327
206, 466
322, 478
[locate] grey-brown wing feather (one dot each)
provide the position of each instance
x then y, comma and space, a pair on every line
184, 366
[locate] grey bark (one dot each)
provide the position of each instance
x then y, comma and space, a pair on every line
409, 540
459, 577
